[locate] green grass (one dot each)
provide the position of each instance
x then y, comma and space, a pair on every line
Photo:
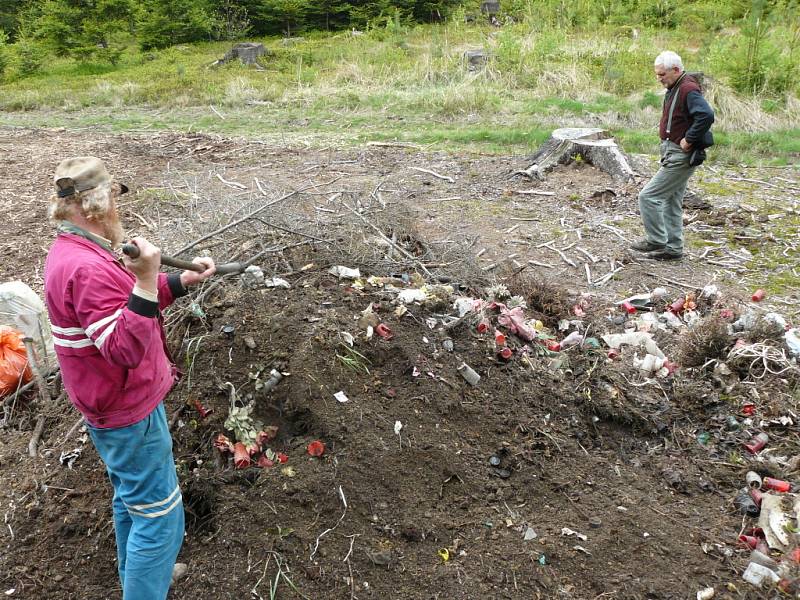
410, 86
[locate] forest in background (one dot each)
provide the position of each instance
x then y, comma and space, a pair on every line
764, 58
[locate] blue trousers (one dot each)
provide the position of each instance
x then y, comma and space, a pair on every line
148, 506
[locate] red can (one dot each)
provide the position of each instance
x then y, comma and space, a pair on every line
505, 353
383, 331
499, 338
613, 353
749, 410
553, 346
776, 484
677, 306
756, 495
795, 555
628, 307
749, 541
756, 444
483, 326
758, 295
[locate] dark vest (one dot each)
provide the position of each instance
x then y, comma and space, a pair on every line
680, 117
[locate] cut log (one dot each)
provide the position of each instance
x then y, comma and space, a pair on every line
246, 52
475, 59
595, 146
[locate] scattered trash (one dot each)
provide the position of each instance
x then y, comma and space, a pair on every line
250, 342
202, 410
706, 593
792, 337
316, 448
253, 276
469, 374
341, 397
638, 338
444, 554
568, 532
277, 282
758, 295
383, 331
228, 331
757, 443
529, 534
398, 427
505, 353
494, 460
753, 480
628, 307
68, 458
777, 485
412, 295
447, 344
756, 574
345, 272
13, 360
745, 504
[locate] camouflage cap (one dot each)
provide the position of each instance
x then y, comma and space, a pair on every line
80, 174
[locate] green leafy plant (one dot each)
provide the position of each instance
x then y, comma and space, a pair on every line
353, 359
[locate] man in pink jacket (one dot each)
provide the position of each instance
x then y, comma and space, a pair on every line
116, 368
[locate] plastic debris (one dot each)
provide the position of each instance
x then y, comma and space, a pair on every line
706, 593
753, 480
469, 374
316, 448
529, 534
253, 276
777, 485
68, 458
745, 504
341, 397
758, 295
757, 443
756, 574
444, 554
383, 331
514, 319
277, 282
638, 338
573, 339
411, 295
568, 532
774, 521
792, 338
344, 272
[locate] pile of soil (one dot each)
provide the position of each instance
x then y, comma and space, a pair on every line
559, 475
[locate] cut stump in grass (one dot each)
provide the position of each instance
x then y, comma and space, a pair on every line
247, 52
595, 146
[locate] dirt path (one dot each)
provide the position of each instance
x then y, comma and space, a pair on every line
588, 446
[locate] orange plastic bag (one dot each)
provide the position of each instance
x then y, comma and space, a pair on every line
13, 360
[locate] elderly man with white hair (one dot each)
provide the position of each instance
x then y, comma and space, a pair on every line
684, 129
110, 344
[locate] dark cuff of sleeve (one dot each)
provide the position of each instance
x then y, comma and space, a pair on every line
175, 285
143, 307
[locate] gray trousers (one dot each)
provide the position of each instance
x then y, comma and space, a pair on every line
661, 200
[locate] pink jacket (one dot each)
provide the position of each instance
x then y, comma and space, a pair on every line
110, 343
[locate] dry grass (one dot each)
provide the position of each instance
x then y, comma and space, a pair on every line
707, 340
548, 301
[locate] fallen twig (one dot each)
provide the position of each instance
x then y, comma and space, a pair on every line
434, 173
224, 228
37, 434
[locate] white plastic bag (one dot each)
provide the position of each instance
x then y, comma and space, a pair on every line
21, 308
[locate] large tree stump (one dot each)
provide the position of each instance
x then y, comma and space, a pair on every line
246, 52
595, 146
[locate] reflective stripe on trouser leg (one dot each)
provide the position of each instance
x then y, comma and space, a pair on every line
661, 200
142, 470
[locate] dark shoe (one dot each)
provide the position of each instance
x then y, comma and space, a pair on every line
664, 255
645, 246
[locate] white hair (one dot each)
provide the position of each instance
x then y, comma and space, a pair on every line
669, 60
